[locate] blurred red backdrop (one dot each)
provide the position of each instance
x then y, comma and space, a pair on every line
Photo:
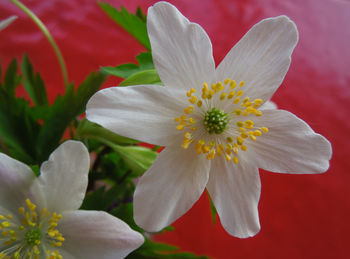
302, 216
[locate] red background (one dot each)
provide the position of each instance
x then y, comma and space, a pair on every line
302, 216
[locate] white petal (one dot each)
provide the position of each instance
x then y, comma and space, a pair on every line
262, 57
7, 22
169, 188
63, 180
181, 50
15, 181
96, 234
235, 192
290, 146
269, 105
141, 112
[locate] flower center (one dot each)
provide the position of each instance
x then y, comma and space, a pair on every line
215, 123
31, 234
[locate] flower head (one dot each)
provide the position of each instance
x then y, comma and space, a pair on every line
217, 123
39, 216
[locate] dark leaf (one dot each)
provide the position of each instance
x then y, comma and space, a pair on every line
133, 24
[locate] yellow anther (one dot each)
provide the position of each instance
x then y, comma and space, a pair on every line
193, 128
243, 147
188, 94
210, 94
239, 124
198, 148
193, 99
192, 90
233, 84
5, 224
30, 205
229, 139
252, 137
244, 135
235, 160
242, 129
227, 80
239, 93
220, 149
228, 157
258, 101
247, 104
264, 129
177, 119
245, 112
191, 120
231, 94
249, 124
212, 143
219, 86
183, 117
258, 113
189, 109
249, 108
245, 100
9, 216
187, 135
239, 140
180, 127
222, 96
199, 103
238, 111
257, 133
205, 149
213, 86
241, 84
211, 154
205, 86
237, 100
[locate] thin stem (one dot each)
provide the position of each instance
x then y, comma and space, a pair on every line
47, 34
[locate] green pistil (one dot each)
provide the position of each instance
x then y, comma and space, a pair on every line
215, 121
32, 236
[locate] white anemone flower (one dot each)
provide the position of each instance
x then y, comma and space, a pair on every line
213, 122
6, 22
39, 216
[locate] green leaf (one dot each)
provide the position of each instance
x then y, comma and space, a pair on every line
145, 60
133, 24
11, 80
139, 159
64, 110
33, 83
90, 130
126, 70
144, 77
155, 250
123, 71
212, 210
18, 128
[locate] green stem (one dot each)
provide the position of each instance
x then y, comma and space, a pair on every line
47, 34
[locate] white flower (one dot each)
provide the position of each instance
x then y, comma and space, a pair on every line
212, 121
6, 22
39, 216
